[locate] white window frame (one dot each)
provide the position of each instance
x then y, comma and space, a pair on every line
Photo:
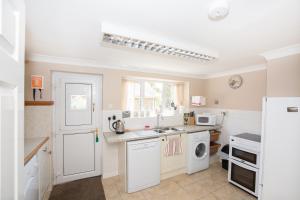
142, 81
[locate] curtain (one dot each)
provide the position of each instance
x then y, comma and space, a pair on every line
180, 94
124, 97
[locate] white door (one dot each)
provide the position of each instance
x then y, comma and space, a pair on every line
280, 152
77, 119
12, 26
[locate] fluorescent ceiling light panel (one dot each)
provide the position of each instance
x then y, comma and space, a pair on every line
111, 35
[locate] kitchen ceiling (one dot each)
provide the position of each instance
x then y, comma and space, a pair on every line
70, 31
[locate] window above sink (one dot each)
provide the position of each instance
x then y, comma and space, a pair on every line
144, 98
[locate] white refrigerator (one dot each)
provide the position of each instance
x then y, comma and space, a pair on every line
280, 175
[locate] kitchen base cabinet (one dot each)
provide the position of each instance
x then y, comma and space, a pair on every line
44, 163
172, 165
31, 179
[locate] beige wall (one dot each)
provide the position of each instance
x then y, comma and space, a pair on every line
247, 97
284, 76
111, 81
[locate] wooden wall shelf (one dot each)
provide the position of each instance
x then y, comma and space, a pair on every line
39, 103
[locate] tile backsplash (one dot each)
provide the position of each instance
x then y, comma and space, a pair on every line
140, 123
38, 121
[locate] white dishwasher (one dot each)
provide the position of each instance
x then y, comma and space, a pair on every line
143, 164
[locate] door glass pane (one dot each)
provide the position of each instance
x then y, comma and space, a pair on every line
244, 155
243, 176
78, 102
200, 150
78, 99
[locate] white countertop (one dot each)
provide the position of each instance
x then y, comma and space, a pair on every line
194, 128
112, 137
32, 145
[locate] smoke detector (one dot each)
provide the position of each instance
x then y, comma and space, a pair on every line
115, 36
218, 10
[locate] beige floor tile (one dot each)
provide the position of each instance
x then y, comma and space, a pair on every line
203, 175
244, 195
196, 190
249, 197
166, 187
111, 181
111, 191
178, 178
219, 180
229, 192
179, 194
208, 197
133, 196
210, 184
185, 180
114, 198
120, 187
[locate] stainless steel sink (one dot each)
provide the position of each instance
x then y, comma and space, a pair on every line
166, 130
159, 130
146, 133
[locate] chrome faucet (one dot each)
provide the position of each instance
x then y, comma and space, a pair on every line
158, 117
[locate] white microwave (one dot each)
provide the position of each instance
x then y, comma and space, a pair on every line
206, 119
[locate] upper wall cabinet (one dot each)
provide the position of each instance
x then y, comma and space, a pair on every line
8, 27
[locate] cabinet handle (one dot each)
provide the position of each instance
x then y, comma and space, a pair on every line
292, 109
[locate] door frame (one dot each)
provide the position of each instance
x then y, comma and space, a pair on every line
98, 121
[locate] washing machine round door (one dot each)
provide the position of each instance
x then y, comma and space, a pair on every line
200, 150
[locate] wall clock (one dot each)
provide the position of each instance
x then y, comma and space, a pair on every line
235, 81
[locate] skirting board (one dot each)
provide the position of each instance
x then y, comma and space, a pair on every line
172, 173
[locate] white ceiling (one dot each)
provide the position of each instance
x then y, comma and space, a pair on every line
71, 29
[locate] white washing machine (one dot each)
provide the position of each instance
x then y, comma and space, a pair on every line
197, 151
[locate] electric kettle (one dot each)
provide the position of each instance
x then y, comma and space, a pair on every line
119, 127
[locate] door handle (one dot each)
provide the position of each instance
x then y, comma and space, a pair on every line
45, 149
292, 109
93, 107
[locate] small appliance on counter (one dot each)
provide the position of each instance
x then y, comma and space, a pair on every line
206, 119
118, 127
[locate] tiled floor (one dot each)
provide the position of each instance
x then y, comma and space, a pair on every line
210, 184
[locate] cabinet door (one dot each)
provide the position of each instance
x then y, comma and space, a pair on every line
44, 169
175, 162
